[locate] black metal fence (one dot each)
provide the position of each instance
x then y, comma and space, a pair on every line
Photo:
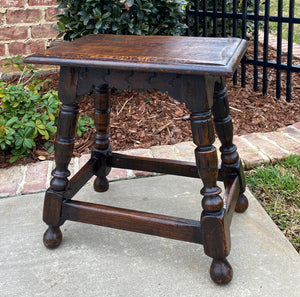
246, 19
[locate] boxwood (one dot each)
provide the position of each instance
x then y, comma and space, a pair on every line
152, 17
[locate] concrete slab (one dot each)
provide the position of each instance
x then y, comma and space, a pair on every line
98, 261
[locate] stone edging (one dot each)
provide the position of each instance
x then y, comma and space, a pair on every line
254, 149
284, 44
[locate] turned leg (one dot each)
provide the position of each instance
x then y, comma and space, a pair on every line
231, 163
216, 243
102, 147
54, 196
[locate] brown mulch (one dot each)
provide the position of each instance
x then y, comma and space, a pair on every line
145, 119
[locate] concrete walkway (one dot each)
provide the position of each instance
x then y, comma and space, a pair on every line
97, 261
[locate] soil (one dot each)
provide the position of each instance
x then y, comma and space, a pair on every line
149, 118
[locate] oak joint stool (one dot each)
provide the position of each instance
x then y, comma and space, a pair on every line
190, 69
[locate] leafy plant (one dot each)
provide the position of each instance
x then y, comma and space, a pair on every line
152, 17
84, 123
26, 112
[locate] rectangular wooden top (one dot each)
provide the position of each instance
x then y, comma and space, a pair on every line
180, 54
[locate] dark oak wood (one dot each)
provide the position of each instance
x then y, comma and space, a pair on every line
117, 160
231, 163
215, 239
130, 220
242, 204
194, 55
221, 271
153, 165
52, 237
64, 146
102, 147
192, 70
81, 178
52, 217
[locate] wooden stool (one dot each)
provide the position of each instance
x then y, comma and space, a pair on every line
192, 69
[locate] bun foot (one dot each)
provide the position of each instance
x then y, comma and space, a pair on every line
52, 237
221, 271
101, 184
241, 204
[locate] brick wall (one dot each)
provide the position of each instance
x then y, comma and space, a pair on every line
26, 26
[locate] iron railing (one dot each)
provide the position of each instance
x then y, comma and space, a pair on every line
212, 18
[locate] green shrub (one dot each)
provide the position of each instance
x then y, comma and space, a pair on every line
26, 113
84, 124
152, 17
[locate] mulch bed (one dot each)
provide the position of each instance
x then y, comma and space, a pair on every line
149, 118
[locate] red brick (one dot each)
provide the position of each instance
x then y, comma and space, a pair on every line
11, 3
268, 148
117, 173
164, 152
139, 153
83, 160
10, 180
284, 141
2, 17
297, 125
23, 16
43, 31
36, 177
2, 49
13, 33
22, 48
186, 151
51, 14
142, 173
217, 144
73, 167
251, 156
42, 2
293, 131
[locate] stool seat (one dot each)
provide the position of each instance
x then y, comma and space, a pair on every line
191, 69
176, 54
